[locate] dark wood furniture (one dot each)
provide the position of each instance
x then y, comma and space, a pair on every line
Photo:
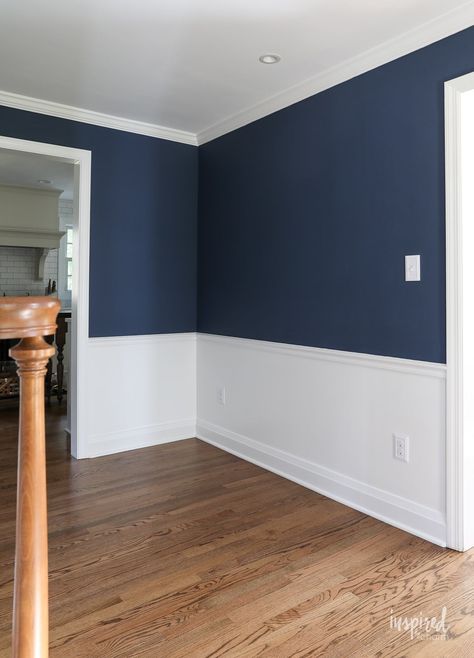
30, 319
60, 340
9, 383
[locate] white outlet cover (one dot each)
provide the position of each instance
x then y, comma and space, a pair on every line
401, 447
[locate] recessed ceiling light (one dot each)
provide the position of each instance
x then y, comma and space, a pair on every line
44, 181
269, 59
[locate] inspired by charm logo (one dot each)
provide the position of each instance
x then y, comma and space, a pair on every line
421, 627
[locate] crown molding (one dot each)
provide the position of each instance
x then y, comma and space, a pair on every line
427, 33
50, 108
434, 30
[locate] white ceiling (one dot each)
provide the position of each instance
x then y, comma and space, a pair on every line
192, 64
25, 169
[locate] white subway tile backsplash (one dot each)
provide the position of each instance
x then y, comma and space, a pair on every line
17, 271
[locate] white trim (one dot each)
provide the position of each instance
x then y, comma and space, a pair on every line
425, 368
142, 339
51, 108
80, 303
434, 30
141, 437
387, 507
454, 314
454, 406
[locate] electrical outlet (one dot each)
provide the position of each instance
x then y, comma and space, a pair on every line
401, 447
221, 395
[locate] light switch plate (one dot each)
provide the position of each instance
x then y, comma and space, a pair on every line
412, 268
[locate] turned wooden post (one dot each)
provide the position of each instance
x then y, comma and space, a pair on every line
30, 319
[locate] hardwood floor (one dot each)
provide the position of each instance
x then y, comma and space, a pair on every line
184, 550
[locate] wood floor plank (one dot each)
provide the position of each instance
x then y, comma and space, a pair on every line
182, 550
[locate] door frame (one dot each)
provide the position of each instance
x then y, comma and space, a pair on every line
455, 457
79, 338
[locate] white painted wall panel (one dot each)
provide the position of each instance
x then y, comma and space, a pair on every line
141, 391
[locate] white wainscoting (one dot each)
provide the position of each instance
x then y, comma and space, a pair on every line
322, 418
325, 419
141, 392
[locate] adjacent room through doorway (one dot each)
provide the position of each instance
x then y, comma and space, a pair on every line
44, 219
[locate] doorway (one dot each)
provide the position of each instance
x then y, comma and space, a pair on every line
77, 279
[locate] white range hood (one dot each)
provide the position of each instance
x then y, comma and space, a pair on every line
29, 217
30, 237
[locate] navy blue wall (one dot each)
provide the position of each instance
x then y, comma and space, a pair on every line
305, 216
143, 224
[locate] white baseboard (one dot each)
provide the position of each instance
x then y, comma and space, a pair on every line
327, 419
141, 437
400, 512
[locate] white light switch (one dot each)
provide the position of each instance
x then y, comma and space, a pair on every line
412, 268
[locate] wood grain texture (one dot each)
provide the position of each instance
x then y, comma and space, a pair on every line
22, 317
30, 318
184, 550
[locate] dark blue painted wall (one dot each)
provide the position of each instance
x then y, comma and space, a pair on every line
305, 216
143, 224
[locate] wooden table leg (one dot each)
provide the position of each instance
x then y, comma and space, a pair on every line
60, 342
49, 372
